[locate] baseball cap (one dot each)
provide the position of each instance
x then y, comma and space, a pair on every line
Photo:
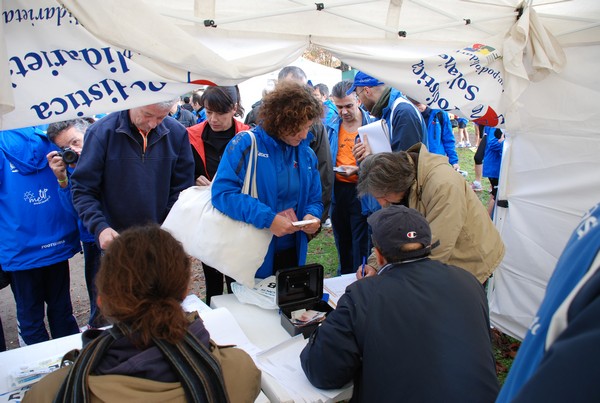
363, 80
398, 225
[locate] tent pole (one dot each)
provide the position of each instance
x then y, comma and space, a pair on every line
273, 13
572, 31
464, 22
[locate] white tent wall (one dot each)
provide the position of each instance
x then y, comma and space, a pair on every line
550, 177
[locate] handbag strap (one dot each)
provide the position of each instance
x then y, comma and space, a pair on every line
249, 186
199, 372
75, 389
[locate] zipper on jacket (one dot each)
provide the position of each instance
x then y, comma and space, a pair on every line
144, 143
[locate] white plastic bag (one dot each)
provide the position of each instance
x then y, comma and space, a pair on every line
233, 247
263, 294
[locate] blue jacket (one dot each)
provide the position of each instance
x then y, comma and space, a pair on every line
331, 113
35, 231
117, 185
408, 125
558, 363
200, 115
493, 154
368, 202
66, 200
439, 134
333, 130
226, 187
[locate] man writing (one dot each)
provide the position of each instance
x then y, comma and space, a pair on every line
132, 168
426, 182
417, 332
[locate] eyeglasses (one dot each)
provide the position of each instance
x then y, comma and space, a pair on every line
360, 92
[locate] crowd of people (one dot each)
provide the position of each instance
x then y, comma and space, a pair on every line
415, 326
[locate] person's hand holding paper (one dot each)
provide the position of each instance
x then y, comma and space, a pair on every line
346, 170
361, 148
378, 137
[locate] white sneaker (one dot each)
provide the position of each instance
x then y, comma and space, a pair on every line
327, 223
460, 145
468, 145
476, 186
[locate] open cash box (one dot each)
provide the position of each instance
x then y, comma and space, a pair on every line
300, 288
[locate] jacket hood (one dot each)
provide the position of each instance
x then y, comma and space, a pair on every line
123, 358
26, 148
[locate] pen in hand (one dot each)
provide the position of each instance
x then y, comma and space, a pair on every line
363, 265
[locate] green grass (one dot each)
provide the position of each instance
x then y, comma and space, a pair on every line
322, 250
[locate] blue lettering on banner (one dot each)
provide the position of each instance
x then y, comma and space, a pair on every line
56, 14
34, 61
95, 92
430, 83
458, 81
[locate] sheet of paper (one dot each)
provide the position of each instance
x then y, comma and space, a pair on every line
283, 363
193, 303
224, 330
378, 136
336, 287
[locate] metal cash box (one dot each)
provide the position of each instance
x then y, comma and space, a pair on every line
298, 288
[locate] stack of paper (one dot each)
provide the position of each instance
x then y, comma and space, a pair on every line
336, 287
282, 362
378, 136
225, 331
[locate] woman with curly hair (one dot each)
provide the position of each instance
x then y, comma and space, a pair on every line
154, 352
287, 177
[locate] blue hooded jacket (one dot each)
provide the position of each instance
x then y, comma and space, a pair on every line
439, 134
35, 230
368, 203
493, 154
405, 119
226, 187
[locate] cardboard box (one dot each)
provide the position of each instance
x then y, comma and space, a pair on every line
300, 288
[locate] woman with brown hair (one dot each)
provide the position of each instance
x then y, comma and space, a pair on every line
287, 178
208, 140
153, 351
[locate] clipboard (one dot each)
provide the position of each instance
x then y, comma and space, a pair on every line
378, 134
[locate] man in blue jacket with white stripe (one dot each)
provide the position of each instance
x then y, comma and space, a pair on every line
405, 123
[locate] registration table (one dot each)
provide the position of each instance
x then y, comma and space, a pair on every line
261, 327
15, 359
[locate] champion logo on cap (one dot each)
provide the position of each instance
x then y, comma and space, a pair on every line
411, 234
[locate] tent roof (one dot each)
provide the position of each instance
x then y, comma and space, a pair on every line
440, 20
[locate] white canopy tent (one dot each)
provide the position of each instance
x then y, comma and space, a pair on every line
529, 67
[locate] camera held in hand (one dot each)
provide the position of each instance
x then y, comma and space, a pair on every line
68, 156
